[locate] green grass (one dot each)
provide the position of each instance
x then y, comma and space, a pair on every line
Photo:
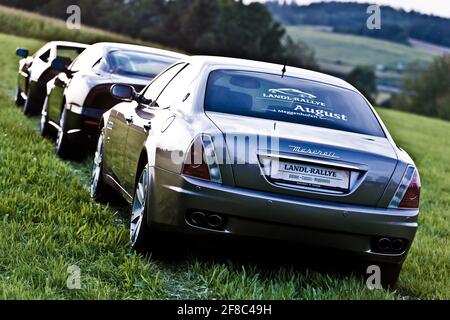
48, 222
427, 270
353, 50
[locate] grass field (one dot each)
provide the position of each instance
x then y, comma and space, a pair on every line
353, 50
48, 222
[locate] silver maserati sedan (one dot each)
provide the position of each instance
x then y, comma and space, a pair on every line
221, 146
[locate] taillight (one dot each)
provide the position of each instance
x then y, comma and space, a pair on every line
412, 196
408, 193
195, 165
201, 161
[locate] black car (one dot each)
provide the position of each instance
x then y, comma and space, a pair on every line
36, 70
80, 94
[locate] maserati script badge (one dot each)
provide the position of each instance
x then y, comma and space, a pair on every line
314, 152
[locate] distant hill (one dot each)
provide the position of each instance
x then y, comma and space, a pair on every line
397, 25
338, 54
352, 50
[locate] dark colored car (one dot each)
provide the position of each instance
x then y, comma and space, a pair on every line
219, 146
36, 70
80, 94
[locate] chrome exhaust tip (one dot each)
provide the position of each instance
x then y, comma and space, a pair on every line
397, 244
214, 221
198, 218
384, 244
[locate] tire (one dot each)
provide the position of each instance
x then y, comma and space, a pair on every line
390, 274
44, 128
64, 147
18, 100
139, 229
100, 191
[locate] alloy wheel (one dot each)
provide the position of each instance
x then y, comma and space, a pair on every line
138, 208
60, 135
43, 122
97, 166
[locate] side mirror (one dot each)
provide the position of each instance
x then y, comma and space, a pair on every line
59, 65
23, 53
123, 92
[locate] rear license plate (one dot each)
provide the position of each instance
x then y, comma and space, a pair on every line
310, 175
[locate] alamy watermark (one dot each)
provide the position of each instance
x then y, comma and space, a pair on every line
74, 19
73, 22
227, 149
374, 20
73, 281
374, 279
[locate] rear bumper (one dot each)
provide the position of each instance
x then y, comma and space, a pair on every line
36, 94
257, 214
83, 124
22, 84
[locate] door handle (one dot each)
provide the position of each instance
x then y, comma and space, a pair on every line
129, 119
148, 126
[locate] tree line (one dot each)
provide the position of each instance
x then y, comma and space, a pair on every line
427, 93
423, 92
216, 27
397, 25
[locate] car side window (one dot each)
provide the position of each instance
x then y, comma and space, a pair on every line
177, 89
85, 60
101, 65
157, 86
41, 51
76, 64
45, 56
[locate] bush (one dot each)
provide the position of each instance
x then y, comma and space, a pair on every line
428, 93
363, 78
297, 53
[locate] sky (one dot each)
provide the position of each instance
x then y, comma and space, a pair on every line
435, 7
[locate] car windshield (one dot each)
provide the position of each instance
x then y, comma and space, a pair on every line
136, 63
290, 99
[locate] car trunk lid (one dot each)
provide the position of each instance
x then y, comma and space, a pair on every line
306, 161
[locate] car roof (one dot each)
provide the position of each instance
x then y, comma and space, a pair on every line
252, 65
69, 44
108, 46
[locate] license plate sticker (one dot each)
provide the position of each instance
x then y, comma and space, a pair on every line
310, 175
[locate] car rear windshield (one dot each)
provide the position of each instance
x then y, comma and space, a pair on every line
290, 99
136, 63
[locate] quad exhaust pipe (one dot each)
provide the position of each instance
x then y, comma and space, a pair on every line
214, 221
206, 220
384, 244
397, 244
198, 217
390, 245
